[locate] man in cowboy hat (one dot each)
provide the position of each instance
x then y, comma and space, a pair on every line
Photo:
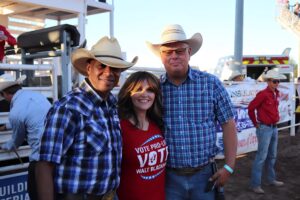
193, 101
80, 154
236, 76
265, 104
28, 110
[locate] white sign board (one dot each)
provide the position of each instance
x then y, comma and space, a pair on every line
242, 94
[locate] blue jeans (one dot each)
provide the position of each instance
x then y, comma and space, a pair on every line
190, 187
267, 138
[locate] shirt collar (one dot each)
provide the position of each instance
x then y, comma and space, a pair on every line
16, 95
269, 90
191, 75
111, 100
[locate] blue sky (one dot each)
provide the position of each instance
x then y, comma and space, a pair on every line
137, 21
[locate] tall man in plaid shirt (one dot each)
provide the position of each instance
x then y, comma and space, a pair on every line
80, 154
193, 101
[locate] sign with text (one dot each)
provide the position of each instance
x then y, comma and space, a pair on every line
14, 186
241, 95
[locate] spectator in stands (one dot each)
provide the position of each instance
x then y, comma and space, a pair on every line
140, 111
193, 102
5, 37
297, 9
287, 5
26, 119
81, 147
265, 105
297, 106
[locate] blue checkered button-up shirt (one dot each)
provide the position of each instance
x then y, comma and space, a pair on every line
190, 113
82, 137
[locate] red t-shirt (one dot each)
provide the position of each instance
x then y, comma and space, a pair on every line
143, 164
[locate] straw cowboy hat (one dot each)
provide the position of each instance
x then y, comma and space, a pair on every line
235, 74
273, 74
106, 50
175, 33
7, 80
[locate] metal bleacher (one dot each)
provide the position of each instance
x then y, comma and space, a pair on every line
9, 160
34, 45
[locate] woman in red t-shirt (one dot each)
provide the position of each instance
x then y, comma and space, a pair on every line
144, 147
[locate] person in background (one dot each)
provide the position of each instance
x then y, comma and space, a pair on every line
26, 120
297, 9
81, 147
265, 105
297, 105
5, 37
236, 76
144, 147
192, 103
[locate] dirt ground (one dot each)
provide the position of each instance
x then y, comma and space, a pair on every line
287, 168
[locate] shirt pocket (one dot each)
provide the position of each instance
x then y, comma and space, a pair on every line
97, 137
269, 102
270, 105
92, 139
200, 107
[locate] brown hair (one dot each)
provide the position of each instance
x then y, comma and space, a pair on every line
125, 105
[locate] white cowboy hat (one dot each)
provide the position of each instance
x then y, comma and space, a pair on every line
175, 33
7, 80
235, 74
106, 50
273, 74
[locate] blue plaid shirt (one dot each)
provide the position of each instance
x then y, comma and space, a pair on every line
82, 137
190, 113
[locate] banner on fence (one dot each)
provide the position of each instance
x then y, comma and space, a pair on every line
14, 186
241, 95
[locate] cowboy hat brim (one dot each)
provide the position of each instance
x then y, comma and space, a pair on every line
6, 84
272, 74
235, 74
195, 42
278, 76
81, 56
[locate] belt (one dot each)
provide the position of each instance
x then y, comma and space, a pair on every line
187, 170
270, 125
69, 196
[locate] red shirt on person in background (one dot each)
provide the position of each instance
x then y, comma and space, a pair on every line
266, 104
9, 39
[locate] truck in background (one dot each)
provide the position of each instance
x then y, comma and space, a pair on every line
254, 65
